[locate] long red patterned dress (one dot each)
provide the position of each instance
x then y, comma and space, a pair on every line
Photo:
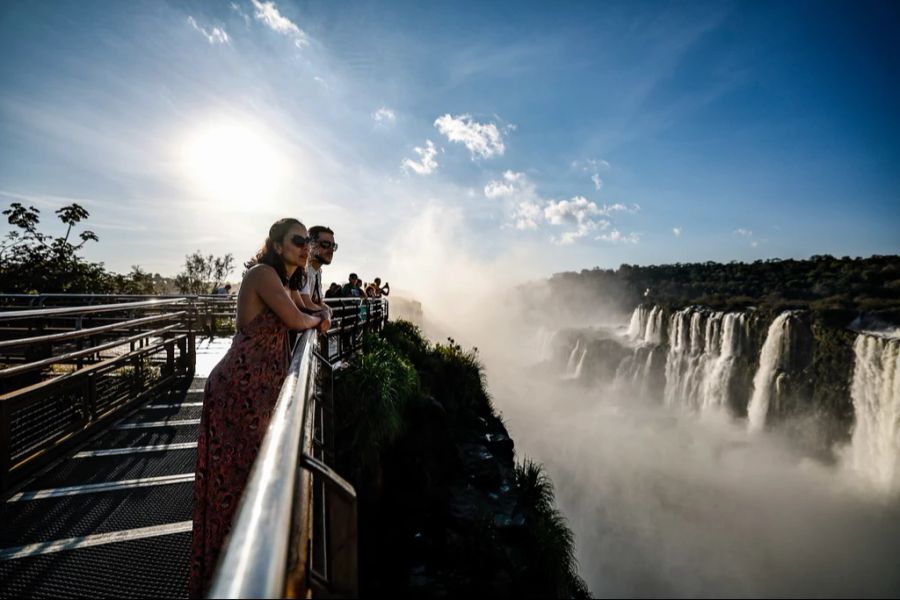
238, 401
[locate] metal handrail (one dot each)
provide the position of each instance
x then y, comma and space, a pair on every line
268, 554
15, 315
88, 331
255, 560
45, 409
69, 356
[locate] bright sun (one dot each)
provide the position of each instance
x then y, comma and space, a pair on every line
233, 164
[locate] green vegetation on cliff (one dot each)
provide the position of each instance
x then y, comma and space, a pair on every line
823, 284
444, 510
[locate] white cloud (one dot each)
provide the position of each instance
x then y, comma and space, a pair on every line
609, 209
269, 14
527, 215
565, 212
426, 164
511, 185
484, 140
590, 164
384, 115
676, 231
525, 206
616, 237
743, 232
578, 212
754, 243
213, 36
598, 183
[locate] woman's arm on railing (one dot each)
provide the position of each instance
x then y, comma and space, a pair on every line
272, 293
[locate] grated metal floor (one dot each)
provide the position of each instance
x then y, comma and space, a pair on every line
100, 556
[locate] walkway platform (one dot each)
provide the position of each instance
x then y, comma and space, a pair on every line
113, 518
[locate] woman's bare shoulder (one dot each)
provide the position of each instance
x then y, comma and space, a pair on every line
260, 272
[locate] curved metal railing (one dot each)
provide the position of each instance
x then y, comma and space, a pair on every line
255, 561
67, 372
294, 534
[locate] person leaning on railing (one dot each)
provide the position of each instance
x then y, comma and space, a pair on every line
242, 389
352, 288
321, 252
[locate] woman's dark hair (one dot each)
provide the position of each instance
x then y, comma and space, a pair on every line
267, 255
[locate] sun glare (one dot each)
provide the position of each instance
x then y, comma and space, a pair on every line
233, 164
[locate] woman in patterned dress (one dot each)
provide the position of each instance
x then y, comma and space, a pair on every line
241, 391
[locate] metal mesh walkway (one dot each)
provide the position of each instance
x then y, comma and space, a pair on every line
113, 518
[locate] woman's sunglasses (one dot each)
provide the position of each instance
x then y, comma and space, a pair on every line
325, 245
299, 241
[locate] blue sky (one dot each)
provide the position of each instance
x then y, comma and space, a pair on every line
527, 137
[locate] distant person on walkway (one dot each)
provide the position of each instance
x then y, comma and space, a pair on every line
351, 289
224, 290
241, 391
371, 291
334, 291
382, 291
322, 247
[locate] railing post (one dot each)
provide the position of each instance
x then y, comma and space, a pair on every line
170, 358
90, 399
5, 450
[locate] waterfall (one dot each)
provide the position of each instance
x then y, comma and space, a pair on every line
576, 360
717, 381
636, 327
875, 445
545, 339
646, 325
646, 330
767, 375
703, 346
577, 372
570, 366
653, 329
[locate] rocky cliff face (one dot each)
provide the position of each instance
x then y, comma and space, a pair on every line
444, 509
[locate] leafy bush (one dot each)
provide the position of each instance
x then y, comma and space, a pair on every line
371, 399
456, 378
408, 340
551, 564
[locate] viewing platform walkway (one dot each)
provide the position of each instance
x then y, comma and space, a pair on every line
101, 406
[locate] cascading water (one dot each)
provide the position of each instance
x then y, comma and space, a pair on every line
636, 326
716, 383
703, 347
653, 330
875, 447
545, 338
576, 360
577, 373
646, 325
768, 373
645, 331
573, 360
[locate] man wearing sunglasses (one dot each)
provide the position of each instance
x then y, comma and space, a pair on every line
321, 252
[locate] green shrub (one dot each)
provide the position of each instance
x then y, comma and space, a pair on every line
456, 379
551, 567
371, 398
408, 340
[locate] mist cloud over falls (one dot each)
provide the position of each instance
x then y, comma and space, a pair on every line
663, 500
666, 504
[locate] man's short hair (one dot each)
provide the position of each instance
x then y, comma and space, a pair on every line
378, 280
353, 276
317, 230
